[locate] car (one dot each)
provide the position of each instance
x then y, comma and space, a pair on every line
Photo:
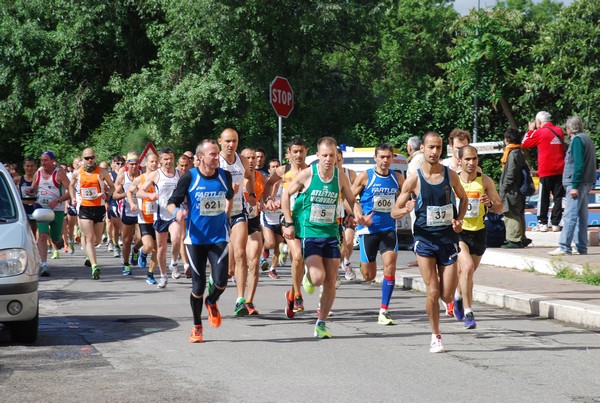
19, 263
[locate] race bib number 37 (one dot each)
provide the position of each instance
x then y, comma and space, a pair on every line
438, 216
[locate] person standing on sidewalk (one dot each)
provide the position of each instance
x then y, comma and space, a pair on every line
549, 140
513, 201
579, 177
209, 192
415, 155
436, 227
482, 195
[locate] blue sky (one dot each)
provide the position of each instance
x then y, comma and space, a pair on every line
463, 6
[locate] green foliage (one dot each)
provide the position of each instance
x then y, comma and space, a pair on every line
588, 276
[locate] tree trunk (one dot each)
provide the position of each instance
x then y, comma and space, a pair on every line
508, 113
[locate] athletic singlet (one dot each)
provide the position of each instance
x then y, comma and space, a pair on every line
316, 209
126, 208
165, 187
146, 208
473, 220
24, 186
379, 196
434, 211
207, 221
238, 172
274, 217
259, 188
112, 201
49, 189
91, 187
286, 180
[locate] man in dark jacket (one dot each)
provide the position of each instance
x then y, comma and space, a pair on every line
513, 200
549, 140
578, 179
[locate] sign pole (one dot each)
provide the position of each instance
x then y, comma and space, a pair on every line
280, 139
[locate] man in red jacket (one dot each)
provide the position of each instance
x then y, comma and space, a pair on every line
549, 140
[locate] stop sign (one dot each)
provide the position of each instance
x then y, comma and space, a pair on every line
281, 96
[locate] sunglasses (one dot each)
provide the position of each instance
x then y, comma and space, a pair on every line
89, 158
118, 163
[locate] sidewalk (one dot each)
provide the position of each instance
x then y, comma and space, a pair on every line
523, 280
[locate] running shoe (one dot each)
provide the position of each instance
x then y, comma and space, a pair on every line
96, 272
283, 253
60, 244
240, 308
450, 308
264, 264
162, 282
338, 280
134, 257
307, 285
71, 247
273, 274
470, 321
188, 272
436, 344
321, 331
459, 311
289, 305
110, 247
349, 272
66, 249
175, 272
142, 260
44, 270
214, 316
150, 279
104, 238
196, 336
55, 255
87, 262
298, 304
385, 318
117, 252
252, 311
126, 270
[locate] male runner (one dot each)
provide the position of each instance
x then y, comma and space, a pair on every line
209, 192
95, 187
377, 188
482, 195
24, 183
271, 224
296, 153
435, 229
113, 215
237, 165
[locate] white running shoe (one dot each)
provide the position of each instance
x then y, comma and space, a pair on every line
175, 272
558, 252
110, 247
436, 344
162, 282
349, 272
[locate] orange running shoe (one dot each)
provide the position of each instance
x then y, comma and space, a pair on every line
450, 308
252, 311
214, 316
196, 336
289, 305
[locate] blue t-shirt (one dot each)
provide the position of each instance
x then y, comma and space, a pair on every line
379, 197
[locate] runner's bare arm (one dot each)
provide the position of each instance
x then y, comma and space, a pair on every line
490, 198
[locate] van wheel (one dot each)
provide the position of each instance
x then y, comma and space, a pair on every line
25, 331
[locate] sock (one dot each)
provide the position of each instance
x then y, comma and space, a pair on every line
150, 274
387, 288
196, 304
457, 294
346, 262
126, 263
319, 321
265, 253
186, 266
237, 301
214, 295
468, 310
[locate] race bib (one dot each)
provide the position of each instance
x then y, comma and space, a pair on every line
150, 207
237, 207
322, 213
252, 211
383, 203
438, 216
473, 208
89, 193
212, 206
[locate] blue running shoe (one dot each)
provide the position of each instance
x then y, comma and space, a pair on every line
150, 279
142, 260
134, 257
126, 270
470, 321
459, 311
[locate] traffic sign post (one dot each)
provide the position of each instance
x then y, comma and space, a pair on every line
281, 97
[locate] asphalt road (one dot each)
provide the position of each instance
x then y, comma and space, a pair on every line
120, 339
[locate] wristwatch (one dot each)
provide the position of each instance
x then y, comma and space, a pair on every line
287, 224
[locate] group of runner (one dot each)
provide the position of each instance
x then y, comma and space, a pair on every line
217, 207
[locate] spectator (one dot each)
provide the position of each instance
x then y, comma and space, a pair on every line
457, 139
513, 200
549, 140
415, 155
578, 179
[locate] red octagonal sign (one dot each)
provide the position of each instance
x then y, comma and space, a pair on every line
281, 96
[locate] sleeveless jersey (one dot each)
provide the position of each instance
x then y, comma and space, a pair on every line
238, 172
434, 211
379, 196
259, 188
473, 220
274, 217
146, 208
24, 186
49, 189
91, 188
165, 187
207, 221
316, 207
286, 180
125, 207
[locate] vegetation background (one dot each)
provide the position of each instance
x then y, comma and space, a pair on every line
116, 74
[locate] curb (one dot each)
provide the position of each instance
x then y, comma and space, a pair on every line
530, 304
492, 257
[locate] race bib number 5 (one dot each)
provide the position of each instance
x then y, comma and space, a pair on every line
322, 213
438, 216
